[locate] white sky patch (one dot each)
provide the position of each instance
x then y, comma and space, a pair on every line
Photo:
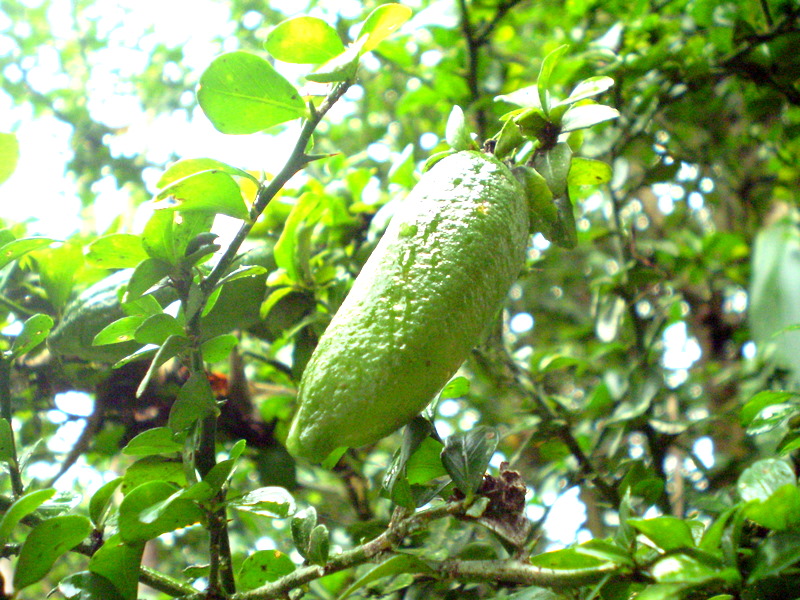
566, 517
680, 350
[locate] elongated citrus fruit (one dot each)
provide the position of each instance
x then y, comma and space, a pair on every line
422, 301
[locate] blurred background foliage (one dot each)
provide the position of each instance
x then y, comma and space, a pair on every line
646, 340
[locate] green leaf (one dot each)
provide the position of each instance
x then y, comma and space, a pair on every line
214, 192
587, 115
759, 402
304, 40
509, 140
121, 330
764, 478
86, 585
301, 526
263, 566
153, 468
776, 555
57, 267
192, 166
119, 562
588, 88
466, 457
116, 251
668, 533
172, 346
340, 68
158, 440
34, 332
146, 274
779, 512
587, 171
568, 559
545, 72
156, 329
100, 503
380, 24
195, 401
401, 563
242, 93
319, 545
7, 446
9, 155
11, 251
22, 507
133, 510
45, 543
218, 348
456, 132
292, 250
275, 503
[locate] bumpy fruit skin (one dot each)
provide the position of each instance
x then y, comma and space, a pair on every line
422, 301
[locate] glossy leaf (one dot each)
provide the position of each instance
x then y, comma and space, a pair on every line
100, 503
242, 93
588, 88
319, 545
121, 330
156, 329
116, 251
218, 349
133, 510
304, 40
119, 562
276, 503
45, 543
195, 401
466, 457
668, 533
587, 171
545, 73
764, 478
86, 585
13, 250
587, 115
213, 192
380, 24
34, 332
147, 274
263, 566
456, 131
153, 468
158, 440
395, 565
21, 508
193, 166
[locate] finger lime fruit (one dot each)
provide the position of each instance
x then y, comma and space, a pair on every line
432, 285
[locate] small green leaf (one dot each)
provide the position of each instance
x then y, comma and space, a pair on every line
213, 192
11, 251
759, 402
466, 457
242, 93
34, 332
380, 24
121, 330
45, 543
7, 446
457, 132
172, 346
587, 115
668, 533
22, 507
158, 440
319, 545
779, 512
545, 72
275, 503
156, 329
218, 348
588, 88
146, 274
192, 166
508, 140
119, 562
153, 468
292, 251
9, 155
100, 503
587, 171
116, 251
57, 266
456, 388
340, 68
764, 478
263, 566
304, 40
135, 506
195, 401
301, 526
86, 585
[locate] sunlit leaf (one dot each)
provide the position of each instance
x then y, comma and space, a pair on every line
116, 251
263, 566
45, 543
34, 332
380, 24
242, 93
305, 40
9, 155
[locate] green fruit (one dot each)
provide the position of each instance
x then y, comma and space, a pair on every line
420, 304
